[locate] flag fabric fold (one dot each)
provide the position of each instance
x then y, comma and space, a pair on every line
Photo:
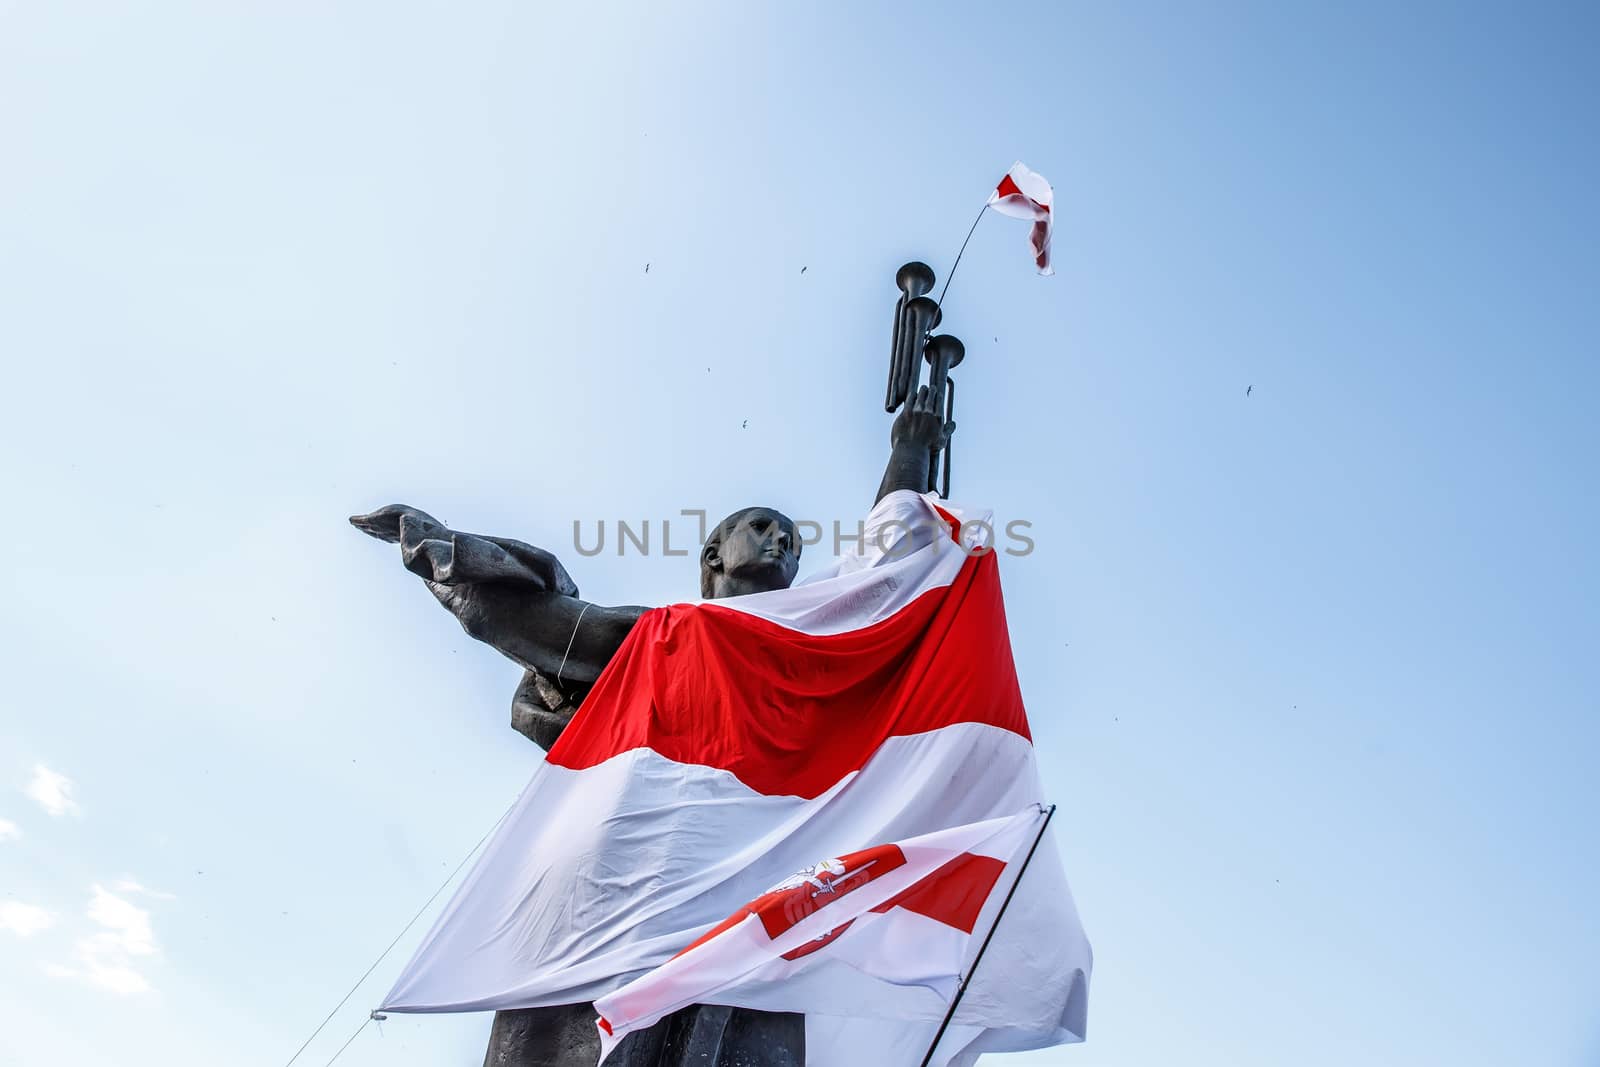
730, 743
1023, 194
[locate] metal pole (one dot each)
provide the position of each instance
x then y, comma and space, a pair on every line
949, 277
961, 991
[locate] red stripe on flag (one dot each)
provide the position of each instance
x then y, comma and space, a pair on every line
788, 713
954, 894
1007, 187
782, 908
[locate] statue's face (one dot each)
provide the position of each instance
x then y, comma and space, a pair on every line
759, 551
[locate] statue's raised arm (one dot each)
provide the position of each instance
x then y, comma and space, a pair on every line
517, 599
918, 433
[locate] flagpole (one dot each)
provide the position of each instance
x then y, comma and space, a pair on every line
961, 991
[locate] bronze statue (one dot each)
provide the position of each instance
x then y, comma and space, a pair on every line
520, 600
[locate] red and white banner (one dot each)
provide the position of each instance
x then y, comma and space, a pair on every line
732, 742
1022, 194
885, 932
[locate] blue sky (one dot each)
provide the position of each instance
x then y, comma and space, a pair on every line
1311, 670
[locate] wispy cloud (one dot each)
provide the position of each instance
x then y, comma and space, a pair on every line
9, 831
24, 920
52, 790
128, 885
128, 925
109, 971
108, 959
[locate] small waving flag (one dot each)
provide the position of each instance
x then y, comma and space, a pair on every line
1022, 194
884, 932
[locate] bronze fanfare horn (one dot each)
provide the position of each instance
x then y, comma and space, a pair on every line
915, 281
943, 353
916, 315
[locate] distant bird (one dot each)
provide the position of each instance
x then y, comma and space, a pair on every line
647, 268
745, 425
1247, 389
802, 270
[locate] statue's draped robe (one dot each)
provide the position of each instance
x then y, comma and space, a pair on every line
731, 743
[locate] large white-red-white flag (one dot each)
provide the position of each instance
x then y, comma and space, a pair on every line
885, 932
730, 743
1022, 194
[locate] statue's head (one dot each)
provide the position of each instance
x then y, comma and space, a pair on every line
754, 550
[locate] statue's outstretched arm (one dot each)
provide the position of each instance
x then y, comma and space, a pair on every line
507, 594
918, 431
562, 637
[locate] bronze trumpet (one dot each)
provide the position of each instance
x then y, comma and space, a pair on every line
915, 317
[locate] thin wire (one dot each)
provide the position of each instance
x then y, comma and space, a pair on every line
957, 263
392, 944
570, 640
348, 1040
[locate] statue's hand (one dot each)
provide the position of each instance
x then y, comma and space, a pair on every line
921, 424
384, 524
432, 551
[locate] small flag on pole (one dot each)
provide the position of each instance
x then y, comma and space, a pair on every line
1022, 194
881, 933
